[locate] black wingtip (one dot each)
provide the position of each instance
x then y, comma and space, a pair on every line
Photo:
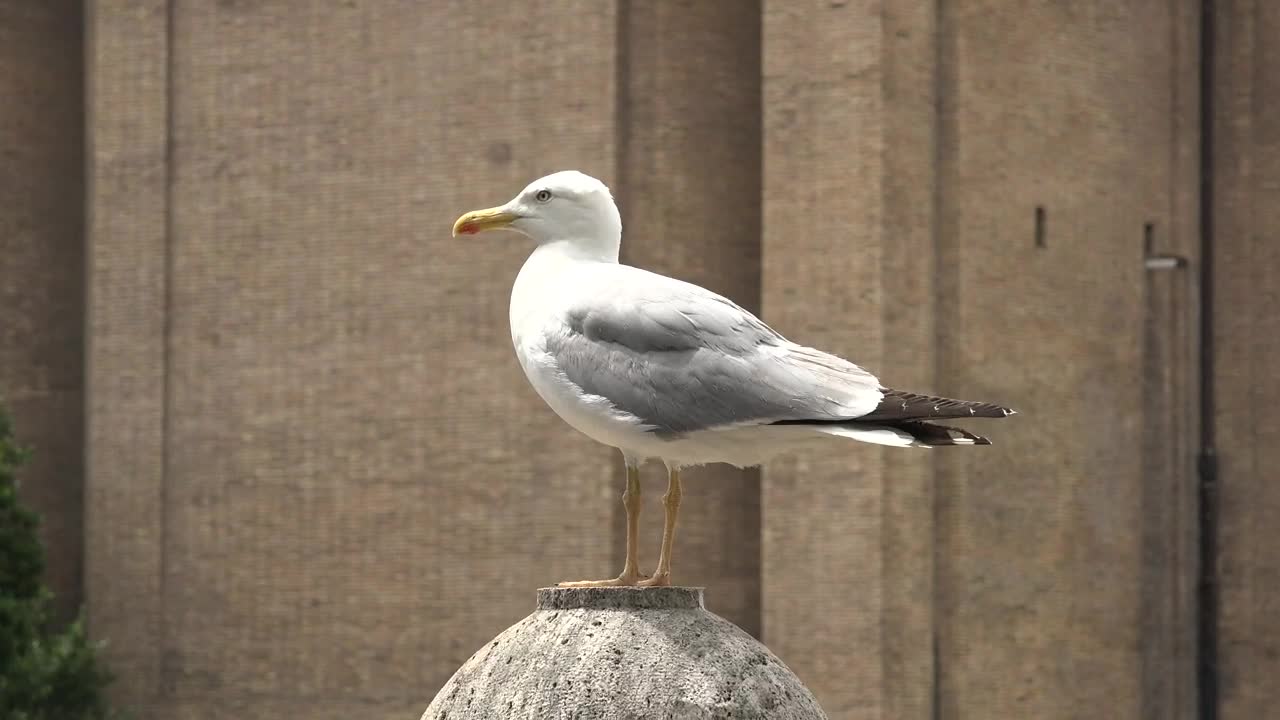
934, 435
897, 405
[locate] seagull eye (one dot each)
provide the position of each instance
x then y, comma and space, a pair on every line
542, 196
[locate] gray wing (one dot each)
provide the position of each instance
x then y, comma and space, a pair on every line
681, 358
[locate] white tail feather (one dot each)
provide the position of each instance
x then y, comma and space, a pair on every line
907, 434
876, 435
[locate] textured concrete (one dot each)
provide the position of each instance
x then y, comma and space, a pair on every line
676, 141
910, 188
286, 346
848, 266
296, 371
343, 399
1038, 592
1247, 352
823, 542
283, 452
42, 269
623, 653
125, 366
1167, 577
973, 570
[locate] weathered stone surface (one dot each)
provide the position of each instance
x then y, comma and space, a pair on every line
42, 268
308, 160
623, 653
1246, 353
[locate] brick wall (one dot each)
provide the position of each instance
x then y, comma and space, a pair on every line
309, 446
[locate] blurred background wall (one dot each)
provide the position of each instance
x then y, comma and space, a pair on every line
286, 459
42, 278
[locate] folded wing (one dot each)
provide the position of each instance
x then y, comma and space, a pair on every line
682, 359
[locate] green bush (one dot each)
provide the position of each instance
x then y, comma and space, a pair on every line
46, 673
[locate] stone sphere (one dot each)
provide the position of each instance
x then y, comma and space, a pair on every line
618, 653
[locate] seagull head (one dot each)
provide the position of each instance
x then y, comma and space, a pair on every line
565, 207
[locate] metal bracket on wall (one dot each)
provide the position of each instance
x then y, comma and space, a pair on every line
1164, 262
1154, 261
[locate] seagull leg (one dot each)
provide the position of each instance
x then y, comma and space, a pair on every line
631, 501
631, 574
662, 575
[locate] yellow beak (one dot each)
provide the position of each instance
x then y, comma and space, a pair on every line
476, 221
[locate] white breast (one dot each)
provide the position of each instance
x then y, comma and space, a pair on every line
542, 293
545, 289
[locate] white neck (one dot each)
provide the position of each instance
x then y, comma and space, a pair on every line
552, 269
594, 249
588, 236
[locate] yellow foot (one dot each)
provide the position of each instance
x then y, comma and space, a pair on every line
623, 580
662, 580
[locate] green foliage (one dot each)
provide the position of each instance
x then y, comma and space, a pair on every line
45, 673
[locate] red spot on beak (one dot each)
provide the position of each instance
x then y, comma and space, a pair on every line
468, 229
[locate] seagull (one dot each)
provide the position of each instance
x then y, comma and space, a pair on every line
665, 370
